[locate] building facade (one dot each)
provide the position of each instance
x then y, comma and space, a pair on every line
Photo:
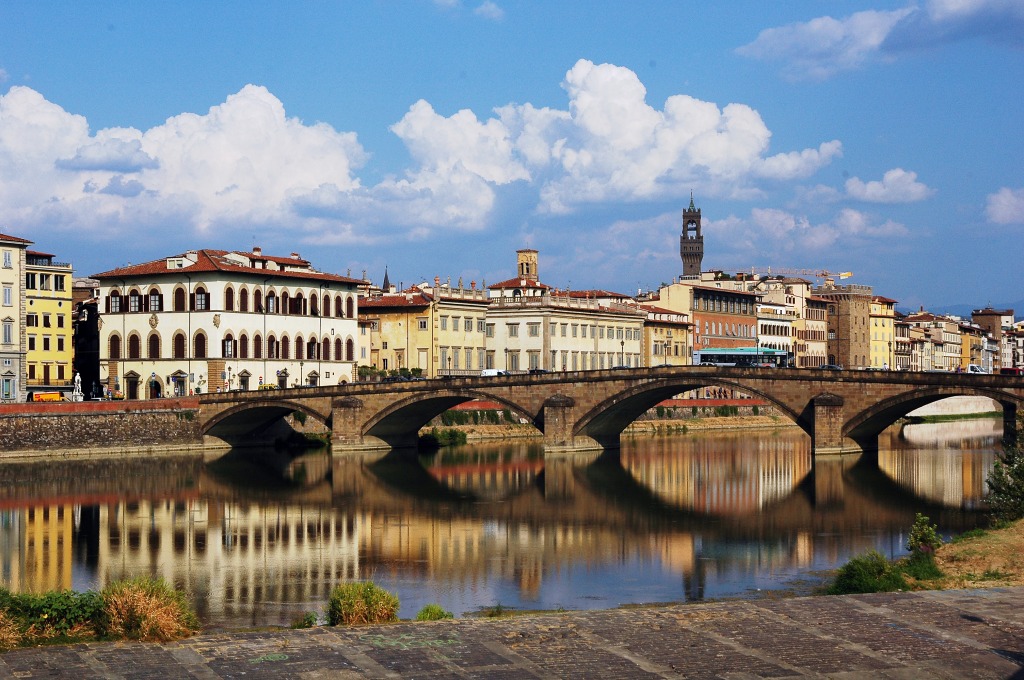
883, 333
12, 318
49, 317
849, 323
213, 320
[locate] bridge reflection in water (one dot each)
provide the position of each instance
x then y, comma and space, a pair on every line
261, 539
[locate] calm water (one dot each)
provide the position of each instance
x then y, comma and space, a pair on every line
261, 538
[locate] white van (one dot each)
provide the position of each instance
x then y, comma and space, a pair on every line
491, 372
974, 368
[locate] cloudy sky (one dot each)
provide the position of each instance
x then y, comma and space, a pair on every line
435, 138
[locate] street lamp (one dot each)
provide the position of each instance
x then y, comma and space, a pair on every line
622, 352
449, 364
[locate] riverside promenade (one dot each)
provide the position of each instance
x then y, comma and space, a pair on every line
938, 634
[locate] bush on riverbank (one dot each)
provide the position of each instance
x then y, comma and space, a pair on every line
872, 573
1006, 481
445, 436
361, 602
137, 609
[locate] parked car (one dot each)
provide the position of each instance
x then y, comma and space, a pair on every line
830, 367
1007, 370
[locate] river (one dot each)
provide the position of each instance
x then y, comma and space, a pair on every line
258, 538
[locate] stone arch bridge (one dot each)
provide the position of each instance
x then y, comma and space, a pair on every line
842, 411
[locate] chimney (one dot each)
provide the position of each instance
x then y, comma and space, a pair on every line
295, 256
257, 251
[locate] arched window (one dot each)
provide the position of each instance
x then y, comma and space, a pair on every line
327, 305
271, 347
257, 347
299, 348
314, 306
115, 346
134, 347
286, 349
156, 300
338, 349
243, 300
179, 300
285, 302
200, 300
257, 302
179, 346
325, 350
229, 299
350, 309
338, 310
228, 346
350, 350
114, 304
200, 346
311, 349
243, 346
271, 303
154, 346
299, 304
134, 301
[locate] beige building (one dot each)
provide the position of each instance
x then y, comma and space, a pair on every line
427, 330
939, 342
12, 317
849, 323
532, 327
48, 321
213, 320
668, 337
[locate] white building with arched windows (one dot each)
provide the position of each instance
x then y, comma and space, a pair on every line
213, 320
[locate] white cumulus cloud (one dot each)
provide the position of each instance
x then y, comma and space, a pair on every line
896, 186
1006, 206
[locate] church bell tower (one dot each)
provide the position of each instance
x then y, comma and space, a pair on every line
691, 243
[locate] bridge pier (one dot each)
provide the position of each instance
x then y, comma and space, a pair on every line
829, 417
559, 418
346, 418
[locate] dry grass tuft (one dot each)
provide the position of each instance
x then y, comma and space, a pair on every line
147, 610
10, 636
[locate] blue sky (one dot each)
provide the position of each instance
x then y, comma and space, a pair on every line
437, 137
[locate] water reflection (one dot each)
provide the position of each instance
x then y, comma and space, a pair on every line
259, 538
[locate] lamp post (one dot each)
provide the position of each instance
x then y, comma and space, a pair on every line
622, 352
302, 377
449, 364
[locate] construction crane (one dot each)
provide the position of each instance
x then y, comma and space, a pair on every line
789, 271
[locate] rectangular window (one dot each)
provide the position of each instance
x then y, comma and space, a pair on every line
58, 282
533, 330
60, 344
115, 303
565, 329
490, 330
468, 326
30, 281
444, 323
46, 320
60, 321
8, 383
135, 303
480, 326
513, 330
154, 301
8, 296
46, 343
8, 332
44, 282
422, 323
31, 320
7, 260
574, 327
469, 358
31, 340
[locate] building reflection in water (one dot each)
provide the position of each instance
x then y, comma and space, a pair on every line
260, 539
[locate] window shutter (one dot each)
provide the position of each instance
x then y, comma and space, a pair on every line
145, 303
107, 305
192, 301
160, 300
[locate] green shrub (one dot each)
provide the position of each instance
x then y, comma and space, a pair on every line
58, 613
921, 567
754, 410
433, 612
146, 609
924, 539
361, 602
299, 416
1006, 486
693, 411
307, 620
660, 410
867, 573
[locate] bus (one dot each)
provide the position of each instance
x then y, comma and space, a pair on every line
45, 396
741, 356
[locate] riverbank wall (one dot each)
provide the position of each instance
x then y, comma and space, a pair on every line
112, 427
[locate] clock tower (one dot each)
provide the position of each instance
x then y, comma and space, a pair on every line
691, 243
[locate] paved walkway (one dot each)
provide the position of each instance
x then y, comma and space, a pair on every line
947, 634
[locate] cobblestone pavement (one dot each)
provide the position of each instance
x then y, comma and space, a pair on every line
944, 634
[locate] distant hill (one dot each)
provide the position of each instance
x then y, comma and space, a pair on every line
964, 311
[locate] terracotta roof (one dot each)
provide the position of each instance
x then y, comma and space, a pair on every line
519, 283
37, 253
417, 299
882, 298
15, 239
590, 294
216, 261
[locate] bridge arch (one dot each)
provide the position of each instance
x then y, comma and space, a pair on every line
400, 422
865, 426
250, 418
606, 420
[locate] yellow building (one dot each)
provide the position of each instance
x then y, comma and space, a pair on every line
426, 330
48, 310
883, 333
